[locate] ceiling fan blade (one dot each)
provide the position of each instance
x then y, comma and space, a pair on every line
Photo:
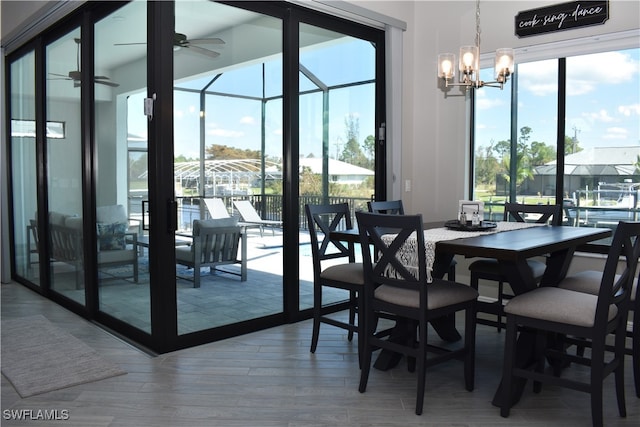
66, 77
127, 44
203, 51
102, 82
206, 41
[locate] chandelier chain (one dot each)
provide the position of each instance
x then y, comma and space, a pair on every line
478, 25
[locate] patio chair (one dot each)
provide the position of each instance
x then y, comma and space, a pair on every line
391, 287
250, 216
216, 242
550, 310
216, 208
489, 269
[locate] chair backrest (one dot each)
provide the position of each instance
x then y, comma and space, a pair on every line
322, 220
216, 208
216, 243
544, 213
392, 207
247, 211
616, 285
397, 241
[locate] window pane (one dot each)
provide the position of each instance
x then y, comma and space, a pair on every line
492, 146
64, 167
536, 131
23, 162
602, 157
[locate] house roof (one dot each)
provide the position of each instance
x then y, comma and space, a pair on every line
597, 161
336, 167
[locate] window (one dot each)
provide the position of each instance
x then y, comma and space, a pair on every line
516, 142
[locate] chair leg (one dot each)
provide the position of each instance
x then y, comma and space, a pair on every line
353, 306
369, 328
421, 365
507, 367
470, 347
619, 351
540, 346
451, 275
500, 291
635, 350
317, 306
597, 378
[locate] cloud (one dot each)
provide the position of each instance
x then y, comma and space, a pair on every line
629, 110
599, 116
227, 133
616, 133
484, 102
584, 73
247, 120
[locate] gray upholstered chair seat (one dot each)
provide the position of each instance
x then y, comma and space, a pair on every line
589, 282
491, 266
440, 294
558, 305
347, 272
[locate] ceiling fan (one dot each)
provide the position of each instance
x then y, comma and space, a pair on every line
76, 75
182, 41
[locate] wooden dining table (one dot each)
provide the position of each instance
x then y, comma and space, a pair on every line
511, 249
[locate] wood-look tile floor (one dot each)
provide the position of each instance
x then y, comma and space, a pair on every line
270, 378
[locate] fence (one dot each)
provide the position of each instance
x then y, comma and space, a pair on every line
268, 206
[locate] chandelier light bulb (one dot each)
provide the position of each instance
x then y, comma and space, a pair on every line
446, 68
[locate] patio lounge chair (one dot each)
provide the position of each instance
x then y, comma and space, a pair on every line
250, 215
216, 208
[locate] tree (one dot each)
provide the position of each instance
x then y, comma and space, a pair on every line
352, 152
223, 152
571, 145
486, 166
541, 153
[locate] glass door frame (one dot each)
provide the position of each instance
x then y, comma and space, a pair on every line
162, 218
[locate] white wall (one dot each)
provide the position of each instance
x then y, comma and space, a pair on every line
435, 146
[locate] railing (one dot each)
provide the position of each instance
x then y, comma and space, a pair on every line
268, 206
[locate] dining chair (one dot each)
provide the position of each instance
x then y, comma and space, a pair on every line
489, 269
346, 274
395, 287
552, 310
589, 281
396, 207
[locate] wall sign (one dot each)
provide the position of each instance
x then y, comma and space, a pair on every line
561, 17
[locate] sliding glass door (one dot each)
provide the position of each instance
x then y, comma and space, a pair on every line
227, 165
337, 130
64, 163
26, 247
120, 147
162, 181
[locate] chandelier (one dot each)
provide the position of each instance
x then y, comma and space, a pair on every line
469, 65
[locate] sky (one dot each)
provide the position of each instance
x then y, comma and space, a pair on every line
236, 122
603, 106
603, 101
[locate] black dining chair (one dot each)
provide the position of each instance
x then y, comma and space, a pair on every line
391, 287
589, 282
396, 207
553, 311
347, 275
489, 269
